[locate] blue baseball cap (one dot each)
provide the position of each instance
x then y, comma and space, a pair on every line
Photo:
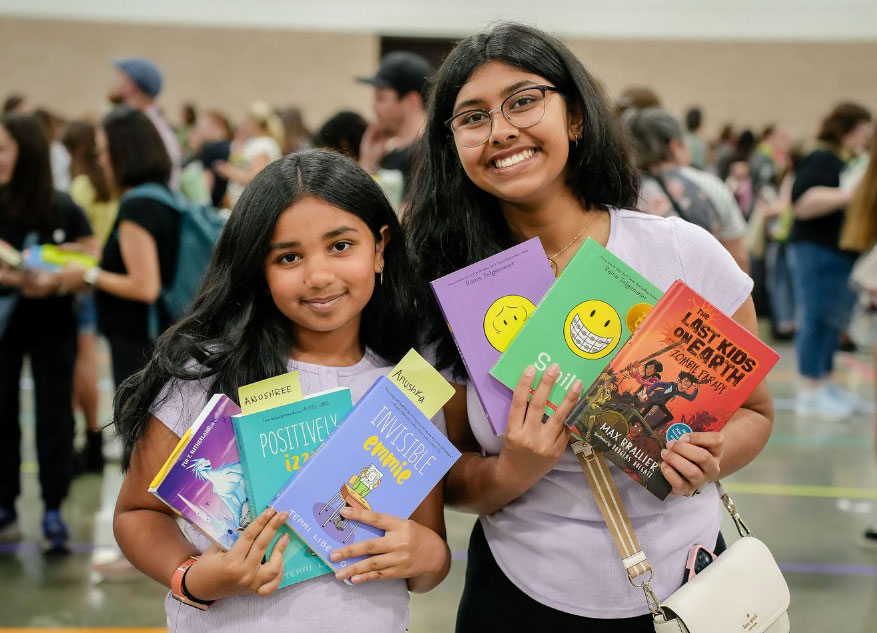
143, 72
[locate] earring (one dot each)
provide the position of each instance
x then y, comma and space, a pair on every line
381, 279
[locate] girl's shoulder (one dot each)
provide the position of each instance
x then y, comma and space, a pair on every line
180, 401
664, 249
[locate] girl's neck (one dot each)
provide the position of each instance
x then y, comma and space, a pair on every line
556, 221
339, 348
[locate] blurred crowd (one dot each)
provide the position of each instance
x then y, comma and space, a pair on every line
794, 208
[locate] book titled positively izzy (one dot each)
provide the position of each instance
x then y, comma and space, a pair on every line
385, 456
276, 438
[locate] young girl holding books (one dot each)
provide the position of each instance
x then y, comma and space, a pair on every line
310, 274
520, 142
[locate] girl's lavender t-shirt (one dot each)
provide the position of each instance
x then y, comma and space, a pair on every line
552, 542
318, 604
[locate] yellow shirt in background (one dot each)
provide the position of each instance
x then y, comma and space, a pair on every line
101, 215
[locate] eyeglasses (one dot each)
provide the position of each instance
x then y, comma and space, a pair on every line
523, 109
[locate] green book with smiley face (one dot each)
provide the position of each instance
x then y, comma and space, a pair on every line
580, 324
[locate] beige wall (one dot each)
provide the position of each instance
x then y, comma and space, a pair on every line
65, 66
751, 83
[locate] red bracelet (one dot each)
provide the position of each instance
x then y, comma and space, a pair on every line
178, 586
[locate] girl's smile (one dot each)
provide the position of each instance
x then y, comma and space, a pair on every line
517, 165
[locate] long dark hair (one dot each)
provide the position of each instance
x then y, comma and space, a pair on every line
137, 153
234, 334
78, 138
27, 198
452, 223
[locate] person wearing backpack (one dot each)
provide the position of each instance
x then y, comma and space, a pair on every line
140, 257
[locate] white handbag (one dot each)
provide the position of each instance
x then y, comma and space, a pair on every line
743, 589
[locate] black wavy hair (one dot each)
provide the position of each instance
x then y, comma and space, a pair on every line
27, 197
234, 334
451, 223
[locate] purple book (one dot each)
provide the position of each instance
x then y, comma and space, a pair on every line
385, 456
485, 305
202, 480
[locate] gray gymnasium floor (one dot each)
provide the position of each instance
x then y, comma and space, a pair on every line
808, 495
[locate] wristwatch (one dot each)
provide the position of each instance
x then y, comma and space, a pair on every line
178, 582
90, 276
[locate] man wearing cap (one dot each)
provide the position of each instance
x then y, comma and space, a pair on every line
399, 112
137, 84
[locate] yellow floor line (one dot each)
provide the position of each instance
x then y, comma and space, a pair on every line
781, 490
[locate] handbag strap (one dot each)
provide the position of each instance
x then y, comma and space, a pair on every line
609, 502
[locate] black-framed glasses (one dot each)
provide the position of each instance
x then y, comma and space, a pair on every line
524, 108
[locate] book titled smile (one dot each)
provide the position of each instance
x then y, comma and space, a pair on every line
385, 456
580, 324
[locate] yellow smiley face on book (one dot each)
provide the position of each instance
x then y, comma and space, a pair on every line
592, 329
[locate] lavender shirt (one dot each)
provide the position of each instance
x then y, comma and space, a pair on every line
318, 604
552, 542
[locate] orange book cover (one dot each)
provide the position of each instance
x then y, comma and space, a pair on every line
687, 368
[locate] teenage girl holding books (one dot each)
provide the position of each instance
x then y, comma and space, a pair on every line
520, 142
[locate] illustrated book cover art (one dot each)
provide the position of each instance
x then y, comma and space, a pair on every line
581, 323
386, 457
689, 367
274, 445
485, 305
202, 480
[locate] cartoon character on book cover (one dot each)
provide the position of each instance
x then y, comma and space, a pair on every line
351, 494
688, 369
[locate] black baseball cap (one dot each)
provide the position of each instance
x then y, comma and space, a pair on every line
403, 71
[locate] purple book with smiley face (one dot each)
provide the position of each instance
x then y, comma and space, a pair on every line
485, 305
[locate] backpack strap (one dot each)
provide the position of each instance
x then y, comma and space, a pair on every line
153, 191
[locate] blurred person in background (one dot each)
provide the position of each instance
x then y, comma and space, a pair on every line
210, 140
696, 145
820, 267
140, 255
91, 190
735, 172
256, 143
722, 147
15, 103
636, 98
859, 234
188, 117
343, 133
770, 170
58, 155
137, 83
36, 320
400, 87
670, 187
296, 136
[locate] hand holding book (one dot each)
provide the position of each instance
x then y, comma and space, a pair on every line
532, 445
406, 550
692, 461
240, 570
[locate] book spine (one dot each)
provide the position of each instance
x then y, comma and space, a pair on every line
242, 454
